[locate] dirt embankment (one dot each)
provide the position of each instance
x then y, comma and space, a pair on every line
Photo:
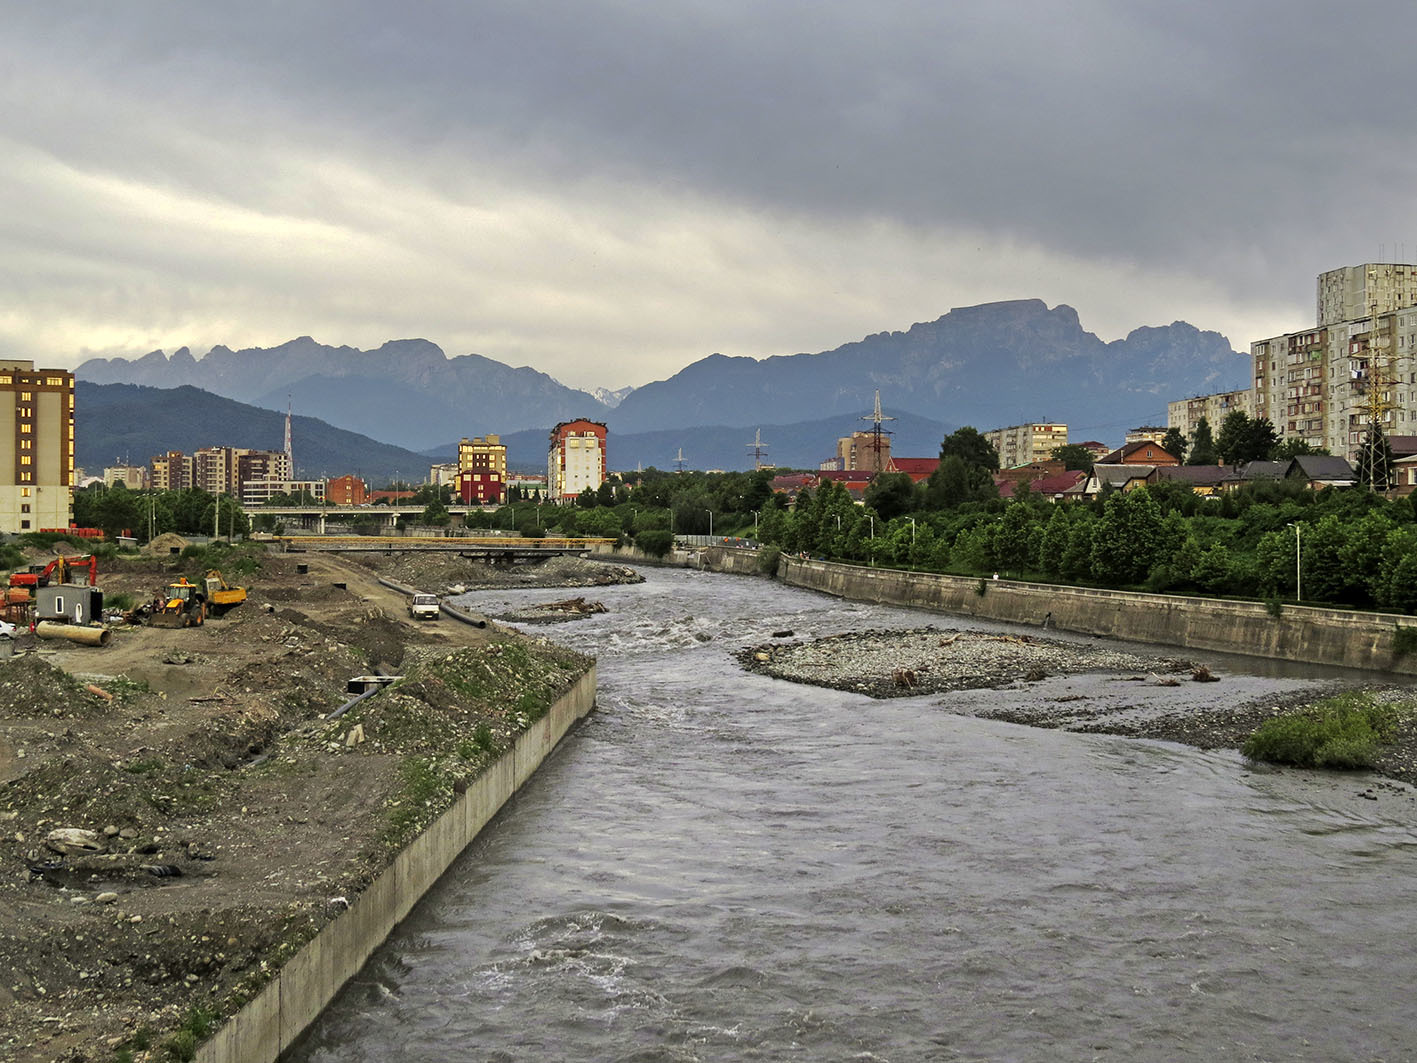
228, 816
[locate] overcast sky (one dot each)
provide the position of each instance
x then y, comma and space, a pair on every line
608, 191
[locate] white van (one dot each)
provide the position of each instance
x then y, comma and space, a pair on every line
423, 607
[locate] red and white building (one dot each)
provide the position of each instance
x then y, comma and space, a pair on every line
576, 459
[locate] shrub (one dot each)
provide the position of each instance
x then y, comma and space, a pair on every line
1404, 640
769, 557
655, 543
1343, 731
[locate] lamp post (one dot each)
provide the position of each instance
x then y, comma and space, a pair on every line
1298, 567
912, 531
710, 513
755, 521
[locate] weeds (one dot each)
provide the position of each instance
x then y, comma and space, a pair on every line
1343, 731
1274, 607
196, 1025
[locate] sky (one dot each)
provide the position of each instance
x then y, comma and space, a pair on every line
608, 190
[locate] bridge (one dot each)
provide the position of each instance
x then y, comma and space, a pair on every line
506, 549
314, 518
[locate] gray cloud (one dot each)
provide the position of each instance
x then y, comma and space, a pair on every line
618, 187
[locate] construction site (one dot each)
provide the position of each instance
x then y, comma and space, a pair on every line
188, 790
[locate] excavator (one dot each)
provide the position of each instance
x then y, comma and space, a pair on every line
182, 604
221, 597
60, 570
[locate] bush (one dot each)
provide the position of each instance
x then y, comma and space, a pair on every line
769, 558
1339, 732
1404, 640
655, 543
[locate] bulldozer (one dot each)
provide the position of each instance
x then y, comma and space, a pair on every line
220, 596
182, 604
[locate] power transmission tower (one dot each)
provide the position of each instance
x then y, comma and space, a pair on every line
679, 461
878, 444
759, 448
1377, 384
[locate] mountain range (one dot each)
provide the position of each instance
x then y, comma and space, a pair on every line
988, 366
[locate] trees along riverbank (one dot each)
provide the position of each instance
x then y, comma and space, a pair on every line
1274, 540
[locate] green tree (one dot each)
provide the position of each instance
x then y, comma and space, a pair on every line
435, 514
1074, 456
1174, 443
891, 494
967, 443
955, 481
1128, 539
1202, 449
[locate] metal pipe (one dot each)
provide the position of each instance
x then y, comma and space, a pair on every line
88, 636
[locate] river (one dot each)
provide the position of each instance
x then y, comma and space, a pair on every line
720, 866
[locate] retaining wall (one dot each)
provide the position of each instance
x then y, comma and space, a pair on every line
309, 981
1300, 633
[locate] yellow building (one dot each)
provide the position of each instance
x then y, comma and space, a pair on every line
485, 458
36, 447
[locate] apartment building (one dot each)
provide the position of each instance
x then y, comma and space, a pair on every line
1023, 444
575, 459
1187, 413
861, 452
36, 447
133, 477
482, 469
171, 471
1319, 384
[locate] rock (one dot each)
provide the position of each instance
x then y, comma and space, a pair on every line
782, 634
355, 736
70, 840
108, 897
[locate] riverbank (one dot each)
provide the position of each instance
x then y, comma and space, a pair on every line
224, 815
944, 661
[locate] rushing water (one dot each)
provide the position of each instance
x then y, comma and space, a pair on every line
720, 866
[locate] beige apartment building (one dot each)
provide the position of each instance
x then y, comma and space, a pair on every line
36, 447
1186, 414
1318, 384
863, 452
1023, 444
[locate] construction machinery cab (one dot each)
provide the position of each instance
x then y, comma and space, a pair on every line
181, 604
220, 596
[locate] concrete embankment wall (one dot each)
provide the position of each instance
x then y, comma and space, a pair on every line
309, 981
1299, 633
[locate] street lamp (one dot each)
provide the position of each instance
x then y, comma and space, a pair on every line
1298, 567
755, 521
912, 531
710, 513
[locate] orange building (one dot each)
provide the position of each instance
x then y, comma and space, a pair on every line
347, 491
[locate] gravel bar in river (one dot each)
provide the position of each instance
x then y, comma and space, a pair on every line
887, 664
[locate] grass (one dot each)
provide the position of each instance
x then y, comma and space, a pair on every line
196, 1025
1344, 731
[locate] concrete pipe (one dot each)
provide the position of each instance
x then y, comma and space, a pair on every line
88, 636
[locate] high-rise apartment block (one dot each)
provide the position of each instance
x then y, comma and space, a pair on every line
1023, 444
36, 447
576, 459
1187, 413
482, 469
1319, 384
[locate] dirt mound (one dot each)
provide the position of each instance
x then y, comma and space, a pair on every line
164, 543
